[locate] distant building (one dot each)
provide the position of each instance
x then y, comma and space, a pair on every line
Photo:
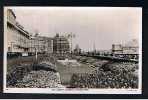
49, 45
17, 37
129, 50
41, 44
60, 45
132, 47
117, 48
77, 49
104, 52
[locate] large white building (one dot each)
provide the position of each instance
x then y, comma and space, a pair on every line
17, 37
61, 45
130, 49
19, 41
41, 44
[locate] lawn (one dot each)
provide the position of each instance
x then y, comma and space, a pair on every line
66, 71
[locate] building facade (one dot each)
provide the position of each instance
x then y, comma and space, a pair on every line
17, 37
60, 45
117, 49
129, 50
77, 50
49, 45
41, 44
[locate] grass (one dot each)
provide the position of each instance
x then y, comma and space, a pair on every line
66, 71
14, 62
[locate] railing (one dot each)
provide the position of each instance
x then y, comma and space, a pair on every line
117, 59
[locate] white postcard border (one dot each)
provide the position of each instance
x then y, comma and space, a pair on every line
65, 90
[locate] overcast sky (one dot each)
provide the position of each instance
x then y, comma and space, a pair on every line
97, 26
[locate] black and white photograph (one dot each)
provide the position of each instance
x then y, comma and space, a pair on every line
73, 50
